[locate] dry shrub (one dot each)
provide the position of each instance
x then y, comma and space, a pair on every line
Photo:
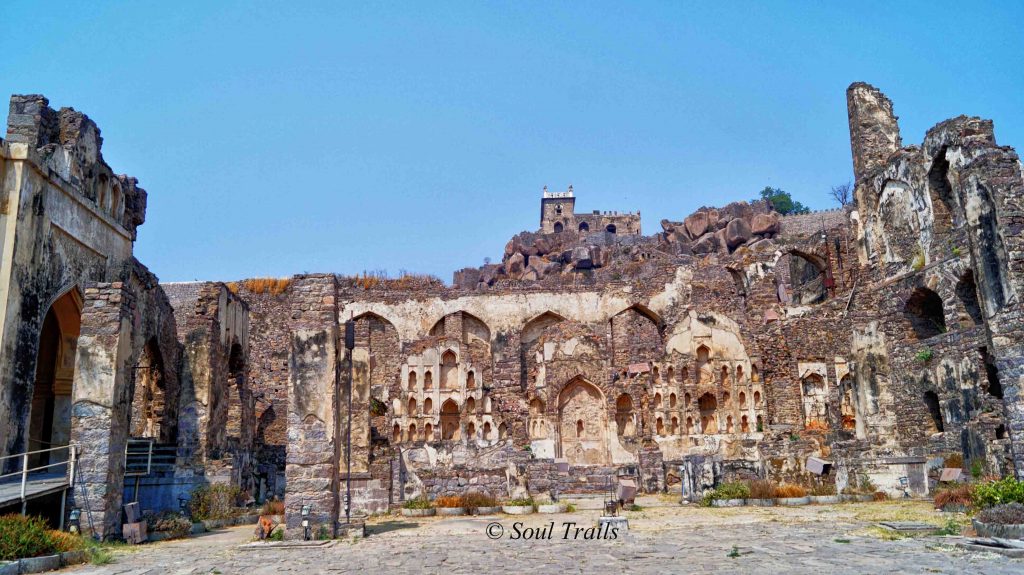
273, 286
449, 501
477, 499
762, 489
232, 287
272, 507
64, 541
953, 461
956, 494
824, 489
880, 496
785, 490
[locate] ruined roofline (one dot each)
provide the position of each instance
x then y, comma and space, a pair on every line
32, 123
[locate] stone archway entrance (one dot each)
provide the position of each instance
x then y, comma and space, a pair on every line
582, 424
49, 423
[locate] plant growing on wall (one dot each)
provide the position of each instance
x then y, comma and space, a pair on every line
925, 355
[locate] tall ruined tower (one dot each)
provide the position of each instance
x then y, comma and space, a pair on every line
874, 130
557, 211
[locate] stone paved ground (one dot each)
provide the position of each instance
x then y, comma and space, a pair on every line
664, 538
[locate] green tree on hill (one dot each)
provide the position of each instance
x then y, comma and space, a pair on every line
782, 202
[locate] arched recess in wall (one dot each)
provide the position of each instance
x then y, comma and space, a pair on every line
49, 422
931, 402
559, 227
807, 278
708, 407
815, 399
584, 227
994, 278
967, 293
149, 399
636, 336
702, 370
449, 370
610, 228
624, 418
923, 310
848, 404
379, 338
530, 333
238, 394
940, 192
582, 423
537, 426
450, 420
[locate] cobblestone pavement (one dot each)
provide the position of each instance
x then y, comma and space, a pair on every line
663, 538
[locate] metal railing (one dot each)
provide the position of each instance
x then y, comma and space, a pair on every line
70, 463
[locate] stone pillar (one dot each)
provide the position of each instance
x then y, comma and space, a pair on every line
311, 469
874, 131
100, 405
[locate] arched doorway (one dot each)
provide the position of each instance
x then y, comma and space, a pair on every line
49, 423
708, 406
582, 424
450, 420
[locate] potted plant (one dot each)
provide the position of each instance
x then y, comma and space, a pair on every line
417, 507
480, 503
519, 506
790, 494
729, 494
450, 505
1005, 521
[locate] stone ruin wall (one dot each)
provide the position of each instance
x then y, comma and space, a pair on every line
734, 343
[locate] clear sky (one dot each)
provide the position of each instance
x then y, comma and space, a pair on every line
287, 137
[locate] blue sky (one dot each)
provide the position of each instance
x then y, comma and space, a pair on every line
280, 138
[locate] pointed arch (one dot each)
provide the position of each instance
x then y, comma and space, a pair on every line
449, 370
583, 423
450, 420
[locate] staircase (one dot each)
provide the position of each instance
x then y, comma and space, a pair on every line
145, 457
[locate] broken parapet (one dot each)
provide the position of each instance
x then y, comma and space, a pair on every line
874, 129
68, 145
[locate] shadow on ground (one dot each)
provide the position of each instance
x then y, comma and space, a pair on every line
388, 526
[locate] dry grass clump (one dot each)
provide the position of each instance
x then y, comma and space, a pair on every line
273, 286
379, 280
823, 488
477, 499
762, 489
784, 490
956, 494
272, 507
953, 461
449, 501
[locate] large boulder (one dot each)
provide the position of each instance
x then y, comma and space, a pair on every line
696, 224
765, 224
737, 232
581, 258
723, 244
515, 264
706, 244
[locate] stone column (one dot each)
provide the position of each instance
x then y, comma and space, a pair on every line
100, 404
311, 469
